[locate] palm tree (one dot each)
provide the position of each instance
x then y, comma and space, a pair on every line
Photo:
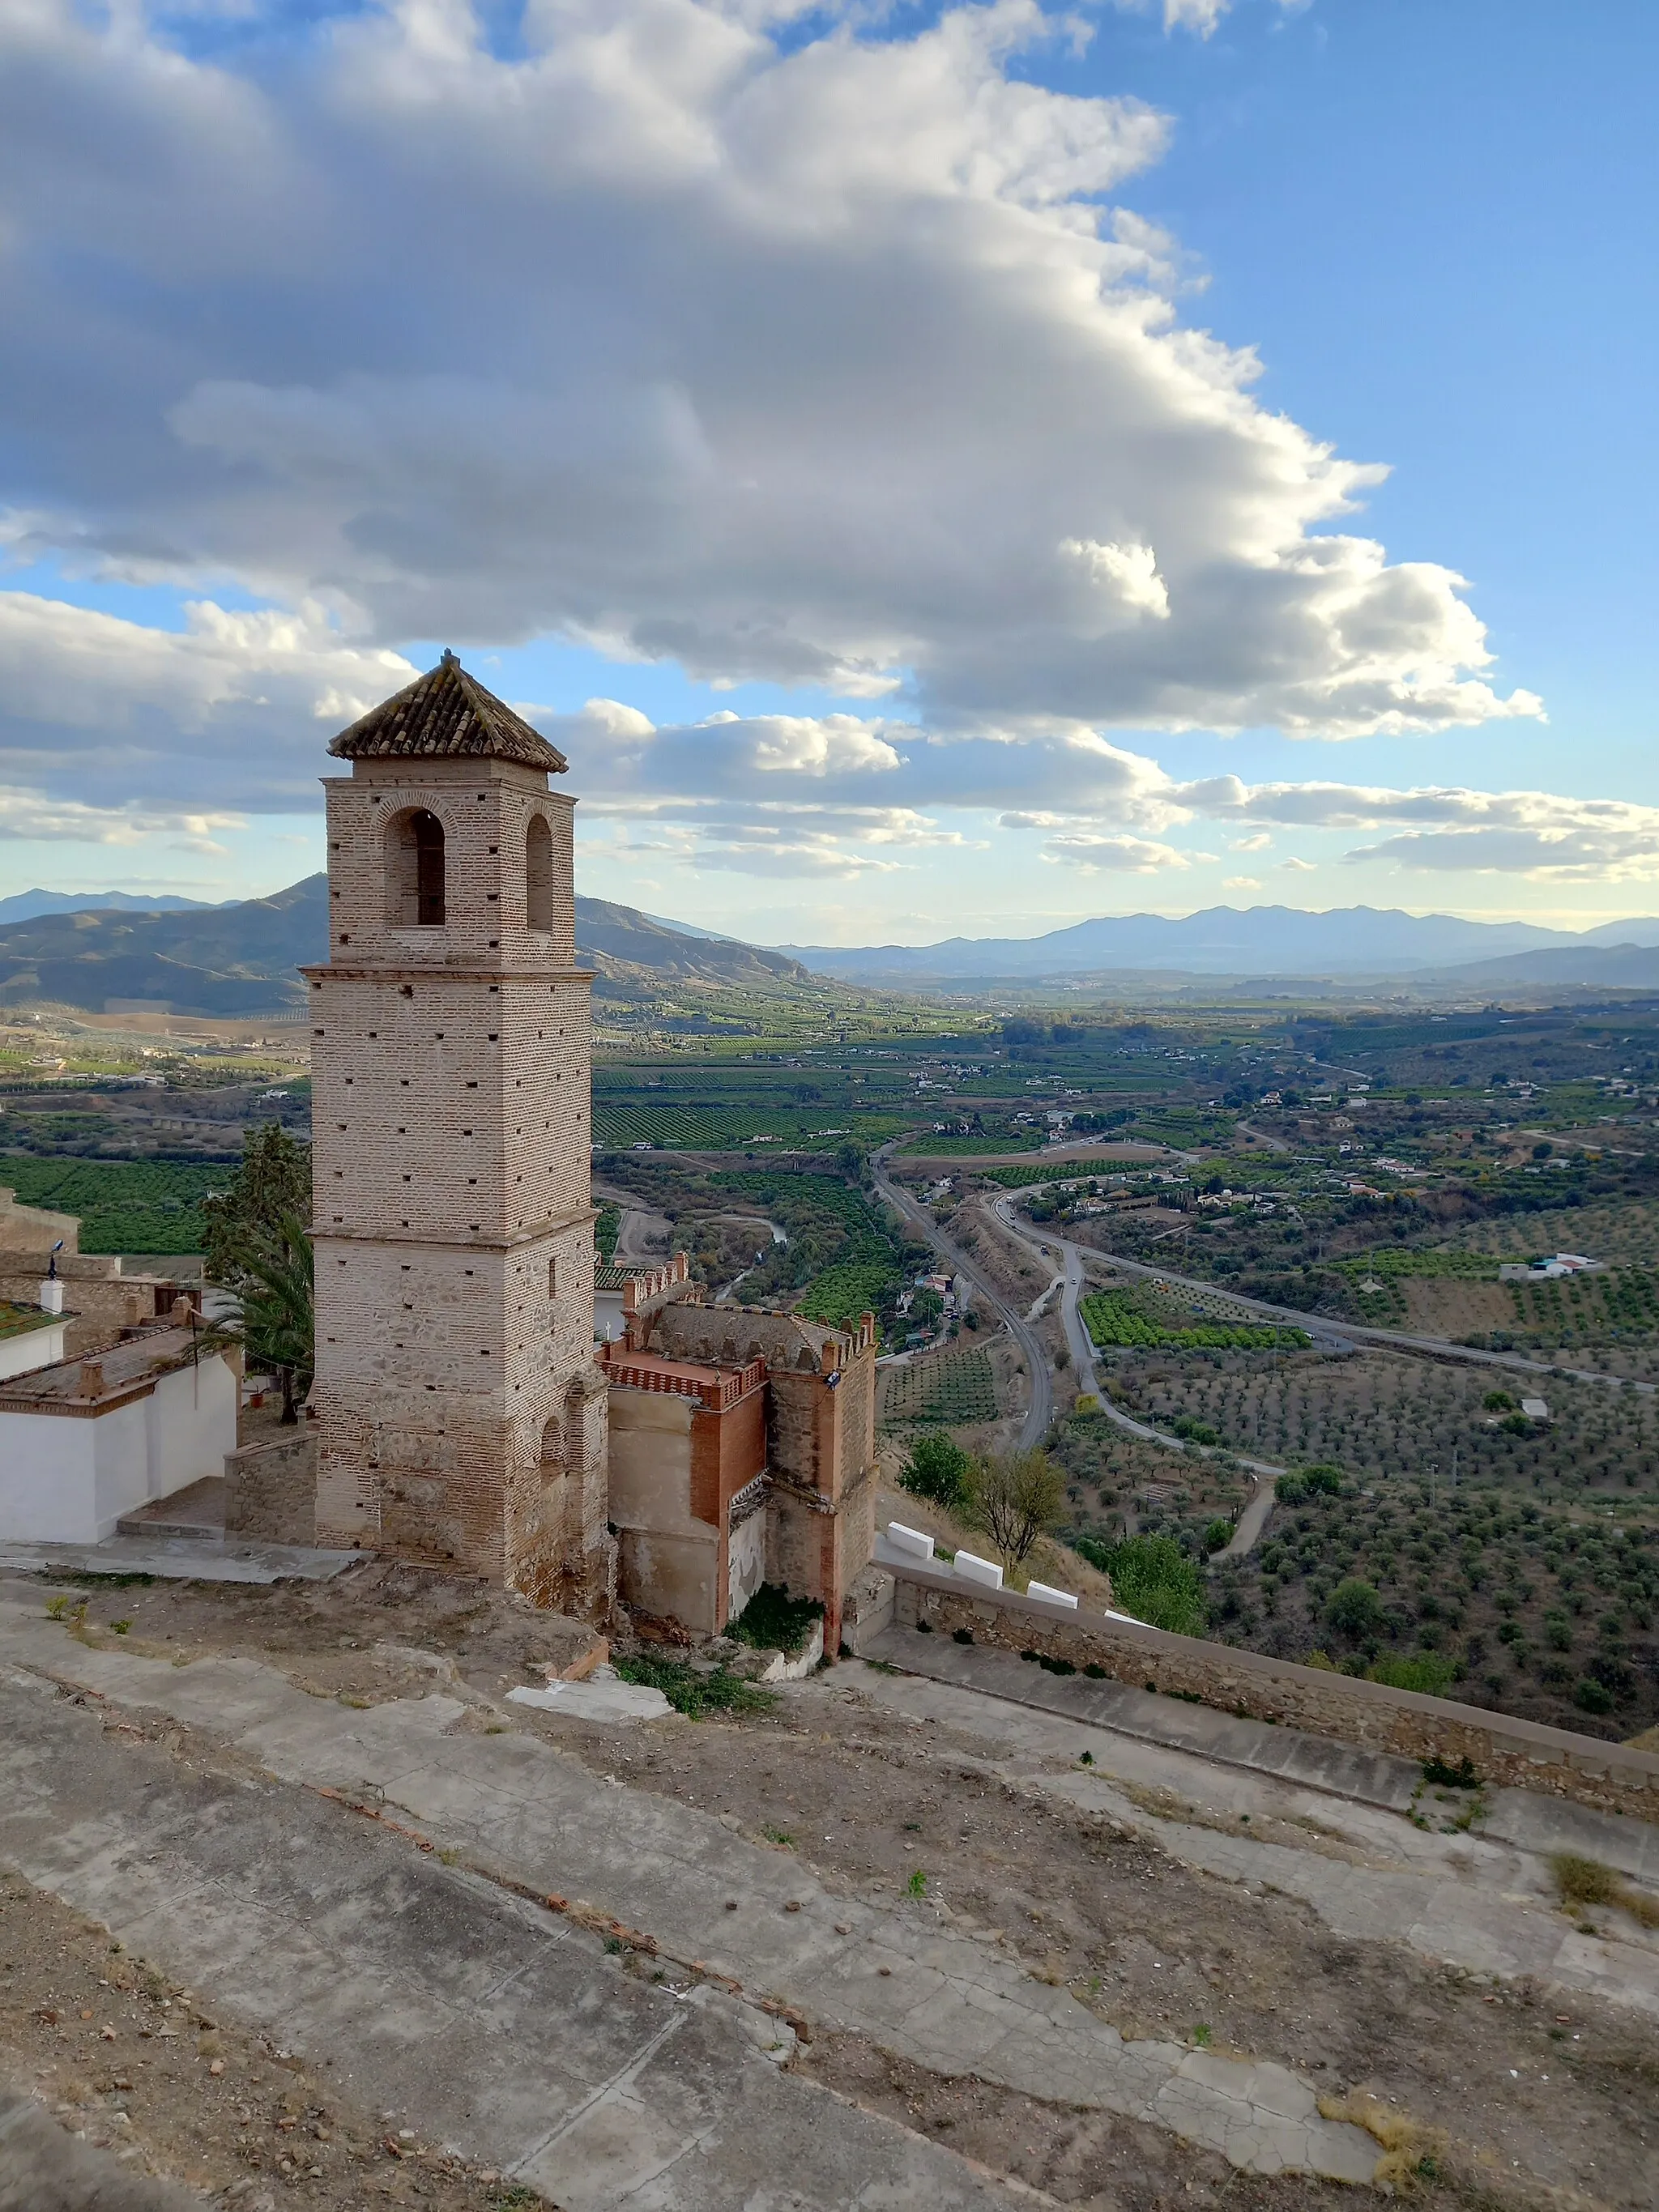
277, 1310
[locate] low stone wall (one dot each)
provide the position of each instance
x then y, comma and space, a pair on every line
1520, 1754
271, 1490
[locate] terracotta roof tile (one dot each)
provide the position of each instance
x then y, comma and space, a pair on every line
446, 715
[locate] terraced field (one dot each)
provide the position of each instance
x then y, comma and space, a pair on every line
1626, 1233
952, 1387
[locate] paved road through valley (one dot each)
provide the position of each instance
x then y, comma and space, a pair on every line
1040, 1411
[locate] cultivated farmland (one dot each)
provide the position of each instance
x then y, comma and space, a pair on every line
952, 1387
124, 1206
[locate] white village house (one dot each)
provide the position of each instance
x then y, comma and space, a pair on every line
84, 1441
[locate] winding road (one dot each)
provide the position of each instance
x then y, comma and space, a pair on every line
1069, 1261
1040, 1412
1073, 1279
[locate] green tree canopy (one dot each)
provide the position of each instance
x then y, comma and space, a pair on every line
937, 1469
1153, 1579
1354, 1608
1015, 1499
249, 1217
278, 1322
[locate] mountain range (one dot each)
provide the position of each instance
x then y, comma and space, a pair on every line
1253, 941
24, 906
240, 959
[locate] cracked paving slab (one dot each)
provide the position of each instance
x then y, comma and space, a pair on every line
505, 2032
1477, 1902
520, 1807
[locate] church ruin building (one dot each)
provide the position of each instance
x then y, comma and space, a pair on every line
462, 1418
465, 1419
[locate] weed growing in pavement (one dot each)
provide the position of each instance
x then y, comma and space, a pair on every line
1585, 1882
917, 1885
692, 1693
782, 1837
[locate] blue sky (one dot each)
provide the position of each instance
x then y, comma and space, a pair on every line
807, 403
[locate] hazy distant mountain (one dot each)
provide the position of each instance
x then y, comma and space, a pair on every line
1598, 966
1261, 940
240, 959
220, 960
23, 906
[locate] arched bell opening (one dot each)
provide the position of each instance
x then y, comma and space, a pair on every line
538, 874
415, 869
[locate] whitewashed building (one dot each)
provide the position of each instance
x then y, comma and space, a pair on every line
84, 1441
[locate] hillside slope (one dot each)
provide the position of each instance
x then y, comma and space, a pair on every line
242, 959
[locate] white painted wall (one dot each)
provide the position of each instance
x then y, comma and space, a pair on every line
745, 1563
31, 1348
67, 1479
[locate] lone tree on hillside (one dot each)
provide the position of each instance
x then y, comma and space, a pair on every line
1354, 1608
937, 1469
1016, 1498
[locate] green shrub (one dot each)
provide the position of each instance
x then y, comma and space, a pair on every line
1590, 1697
1354, 1608
691, 1692
1427, 1672
937, 1469
773, 1621
1219, 1534
1153, 1579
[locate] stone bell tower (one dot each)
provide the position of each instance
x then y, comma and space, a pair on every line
463, 1420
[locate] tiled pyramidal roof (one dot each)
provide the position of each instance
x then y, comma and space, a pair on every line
446, 715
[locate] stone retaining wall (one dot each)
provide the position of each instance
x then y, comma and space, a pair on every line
271, 1490
1521, 1754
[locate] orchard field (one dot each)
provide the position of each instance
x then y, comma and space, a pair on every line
124, 1206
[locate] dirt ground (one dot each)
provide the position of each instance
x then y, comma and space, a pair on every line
1475, 2075
376, 1632
128, 2059
871, 1800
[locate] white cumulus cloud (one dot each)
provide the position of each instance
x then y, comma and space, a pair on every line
779, 346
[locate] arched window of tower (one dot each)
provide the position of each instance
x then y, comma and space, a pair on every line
415, 869
538, 874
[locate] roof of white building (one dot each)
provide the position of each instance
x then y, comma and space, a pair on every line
131, 1369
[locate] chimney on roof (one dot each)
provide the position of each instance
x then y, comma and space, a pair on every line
89, 1384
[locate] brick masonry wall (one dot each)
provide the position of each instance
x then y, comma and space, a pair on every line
1609, 1776
462, 1424
728, 1450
